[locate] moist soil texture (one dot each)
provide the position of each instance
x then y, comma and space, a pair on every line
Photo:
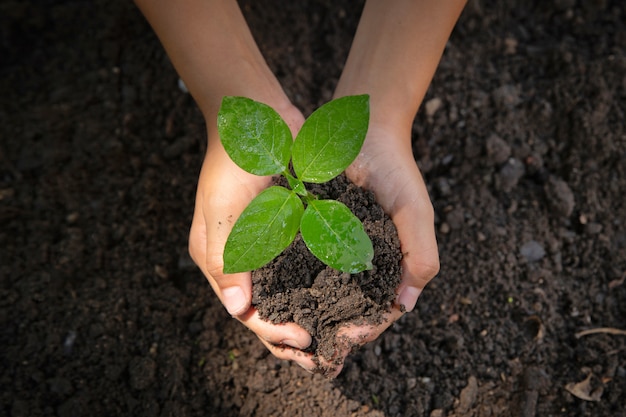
521, 140
298, 287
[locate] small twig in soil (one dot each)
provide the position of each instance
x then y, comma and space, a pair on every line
609, 330
617, 282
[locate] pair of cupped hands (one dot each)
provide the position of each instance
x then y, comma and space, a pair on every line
385, 166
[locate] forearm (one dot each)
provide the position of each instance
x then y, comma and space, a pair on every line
395, 53
213, 51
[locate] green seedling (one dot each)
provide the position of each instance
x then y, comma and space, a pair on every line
259, 141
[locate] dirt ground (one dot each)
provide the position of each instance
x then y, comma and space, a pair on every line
522, 141
298, 287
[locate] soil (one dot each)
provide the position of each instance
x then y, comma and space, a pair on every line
298, 287
521, 140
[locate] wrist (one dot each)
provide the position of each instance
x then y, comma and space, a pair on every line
396, 49
247, 83
213, 51
389, 110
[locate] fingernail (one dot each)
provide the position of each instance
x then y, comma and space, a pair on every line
408, 297
234, 300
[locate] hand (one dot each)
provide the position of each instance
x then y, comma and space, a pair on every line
386, 166
224, 190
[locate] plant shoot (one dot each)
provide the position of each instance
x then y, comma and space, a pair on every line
259, 141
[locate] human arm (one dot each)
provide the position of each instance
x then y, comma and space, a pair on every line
396, 50
213, 51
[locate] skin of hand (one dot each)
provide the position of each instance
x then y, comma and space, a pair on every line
393, 58
394, 55
390, 172
213, 51
224, 190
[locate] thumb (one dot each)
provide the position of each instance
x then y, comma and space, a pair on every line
235, 292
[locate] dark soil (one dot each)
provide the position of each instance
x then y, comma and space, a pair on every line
297, 287
521, 140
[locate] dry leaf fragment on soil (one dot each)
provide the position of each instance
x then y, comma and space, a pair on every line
584, 389
468, 395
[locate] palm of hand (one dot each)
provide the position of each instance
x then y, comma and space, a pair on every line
390, 171
386, 168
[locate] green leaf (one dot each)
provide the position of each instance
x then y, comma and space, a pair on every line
254, 136
265, 228
331, 138
336, 236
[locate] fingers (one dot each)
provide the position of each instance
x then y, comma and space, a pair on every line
368, 333
414, 219
217, 208
284, 341
304, 360
331, 369
234, 291
411, 210
223, 192
352, 336
289, 334
387, 167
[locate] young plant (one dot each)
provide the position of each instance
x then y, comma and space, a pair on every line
259, 141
